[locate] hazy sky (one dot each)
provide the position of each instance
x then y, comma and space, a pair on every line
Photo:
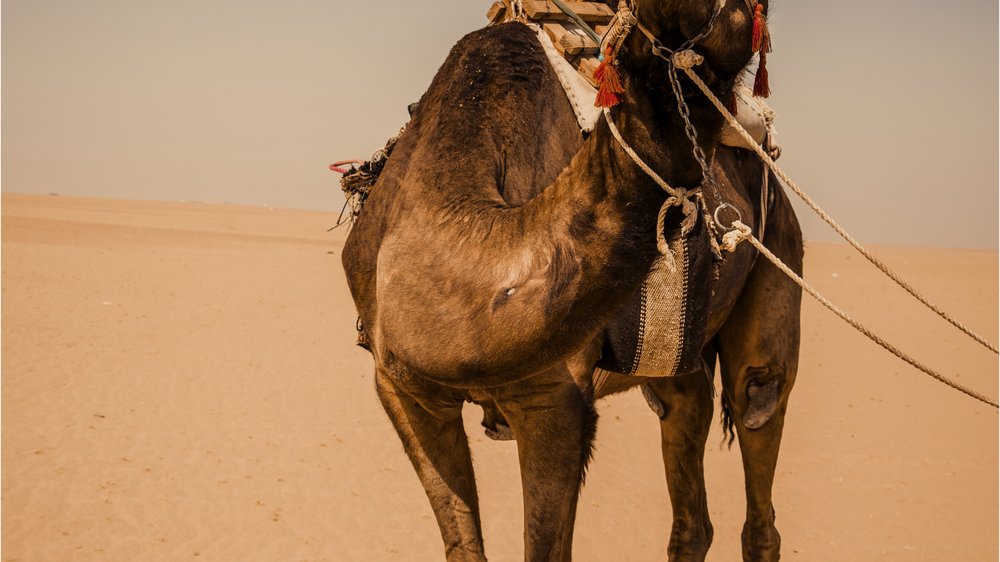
887, 110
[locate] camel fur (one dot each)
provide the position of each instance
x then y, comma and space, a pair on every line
497, 244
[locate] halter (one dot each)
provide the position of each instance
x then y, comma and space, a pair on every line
682, 57
659, 48
625, 19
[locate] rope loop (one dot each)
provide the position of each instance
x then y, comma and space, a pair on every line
687, 200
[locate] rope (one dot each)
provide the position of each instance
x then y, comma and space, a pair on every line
833, 224
635, 157
742, 232
676, 196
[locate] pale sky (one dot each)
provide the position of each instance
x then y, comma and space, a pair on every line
887, 110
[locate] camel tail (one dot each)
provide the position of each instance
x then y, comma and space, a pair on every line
726, 420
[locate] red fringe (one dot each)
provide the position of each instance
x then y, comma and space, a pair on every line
609, 83
761, 88
606, 99
761, 44
759, 27
765, 42
731, 104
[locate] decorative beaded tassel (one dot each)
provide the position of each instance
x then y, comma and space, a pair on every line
762, 45
609, 81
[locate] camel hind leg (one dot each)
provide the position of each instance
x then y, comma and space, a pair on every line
684, 425
429, 423
758, 353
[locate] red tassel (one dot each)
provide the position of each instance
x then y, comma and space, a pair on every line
609, 82
761, 88
606, 99
761, 44
731, 105
759, 27
765, 42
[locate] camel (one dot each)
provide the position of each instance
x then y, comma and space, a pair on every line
498, 243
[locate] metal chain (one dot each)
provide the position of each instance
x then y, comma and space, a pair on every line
689, 130
685, 59
719, 5
692, 133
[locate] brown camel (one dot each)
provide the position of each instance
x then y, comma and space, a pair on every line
497, 244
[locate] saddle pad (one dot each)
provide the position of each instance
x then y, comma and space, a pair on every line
752, 113
580, 93
661, 329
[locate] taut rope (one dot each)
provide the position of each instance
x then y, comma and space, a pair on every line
685, 60
742, 232
833, 224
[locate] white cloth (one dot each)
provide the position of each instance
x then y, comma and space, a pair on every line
752, 112
580, 93
755, 116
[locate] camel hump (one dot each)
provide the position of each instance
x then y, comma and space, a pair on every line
485, 66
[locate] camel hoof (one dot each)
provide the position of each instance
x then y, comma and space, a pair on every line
500, 432
763, 402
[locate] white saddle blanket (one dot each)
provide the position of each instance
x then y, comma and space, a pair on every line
752, 113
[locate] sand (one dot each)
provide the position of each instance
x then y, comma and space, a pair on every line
180, 383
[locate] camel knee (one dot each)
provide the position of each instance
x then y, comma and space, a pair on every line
756, 393
682, 400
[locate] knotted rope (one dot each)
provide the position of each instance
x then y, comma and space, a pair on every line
833, 224
741, 232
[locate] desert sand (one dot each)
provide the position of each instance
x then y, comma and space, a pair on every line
180, 382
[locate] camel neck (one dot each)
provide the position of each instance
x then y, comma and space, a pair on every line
604, 179
603, 203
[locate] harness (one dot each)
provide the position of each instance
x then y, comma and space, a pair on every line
738, 231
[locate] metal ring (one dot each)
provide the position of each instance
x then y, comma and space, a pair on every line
715, 215
658, 48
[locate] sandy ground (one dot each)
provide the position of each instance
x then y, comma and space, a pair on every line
180, 382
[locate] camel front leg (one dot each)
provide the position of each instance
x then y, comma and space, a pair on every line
554, 421
684, 426
758, 355
429, 423
759, 449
